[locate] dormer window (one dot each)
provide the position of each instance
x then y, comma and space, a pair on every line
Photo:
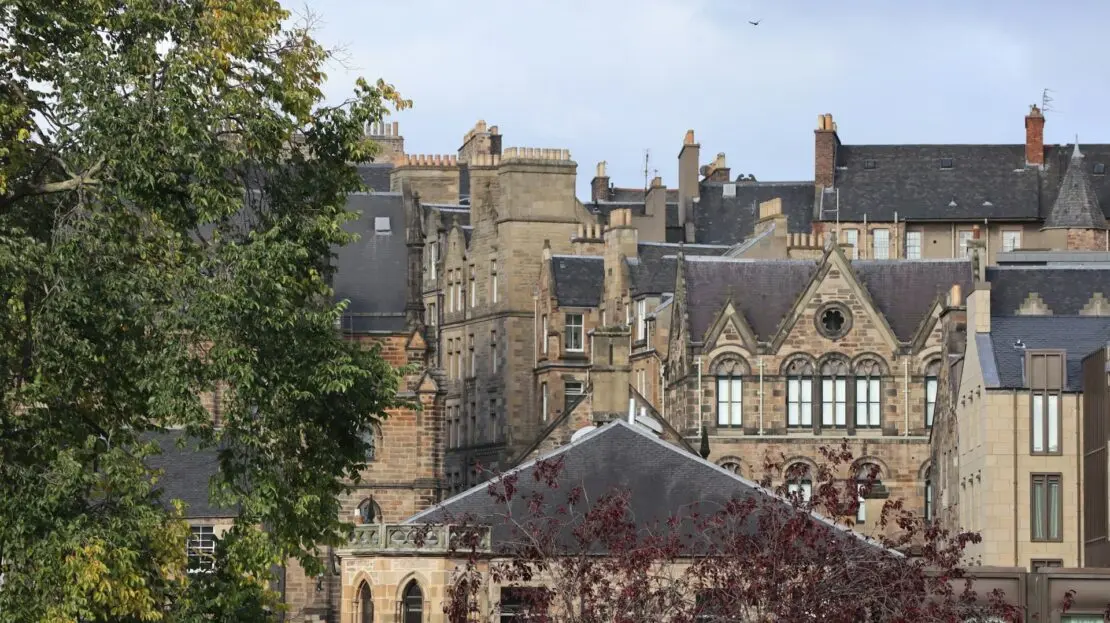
381, 224
1099, 169
946, 163
869, 164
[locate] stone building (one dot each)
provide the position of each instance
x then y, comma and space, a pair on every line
1012, 460
921, 201
786, 356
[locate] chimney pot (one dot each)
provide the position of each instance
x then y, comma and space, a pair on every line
689, 140
975, 232
955, 296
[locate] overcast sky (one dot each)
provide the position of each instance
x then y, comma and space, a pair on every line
609, 79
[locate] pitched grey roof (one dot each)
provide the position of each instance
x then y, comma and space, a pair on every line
372, 272
375, 175
983, 181
1076, 204
1077, 335
187, 472
905, 290
729, 220
762, 290
662, 481
654, 272
1065, 289
578, 280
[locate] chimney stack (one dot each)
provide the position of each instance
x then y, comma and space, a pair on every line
599, 186
1034, 137
825, 145
688, 188
717, 171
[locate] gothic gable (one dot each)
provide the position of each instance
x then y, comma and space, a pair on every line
730, 327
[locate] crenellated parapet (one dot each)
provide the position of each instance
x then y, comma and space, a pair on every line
428, 160
484, 160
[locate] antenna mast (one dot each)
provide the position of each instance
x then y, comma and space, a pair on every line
647, 162
1046, 100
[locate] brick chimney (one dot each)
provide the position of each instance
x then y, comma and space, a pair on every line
688, 188
1034, 137
599, 186
825, 145
717, 171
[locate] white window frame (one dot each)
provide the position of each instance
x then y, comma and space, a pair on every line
869, 402
574, 388
1008, 239
932, 385
641, 326
963, 242
851, 236
834, 402
730, 401
880, 250
915, 239
201, 549
576, 329
799, 402
1045, 424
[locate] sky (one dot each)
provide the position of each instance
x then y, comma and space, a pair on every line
611, 79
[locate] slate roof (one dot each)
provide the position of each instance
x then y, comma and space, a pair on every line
578, 279
762, 290
984, 181
638, 194
449, 212
187, 472
375, 175
372, 272
662, 480
1076, 204
905, 290
654, 271
1064, 288
1077, 335
729, 220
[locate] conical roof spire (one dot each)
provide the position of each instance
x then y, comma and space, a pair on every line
1076, 205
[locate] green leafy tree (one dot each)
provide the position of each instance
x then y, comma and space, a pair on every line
171, 189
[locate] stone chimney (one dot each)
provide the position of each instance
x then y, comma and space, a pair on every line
599, 186
770, 213
390, 142
717, 171
688, 188
481, 140
1034, 137
979, 300
825, 145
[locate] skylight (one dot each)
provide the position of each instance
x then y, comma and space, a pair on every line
1100, 168
381, 224
946, 163
869, 164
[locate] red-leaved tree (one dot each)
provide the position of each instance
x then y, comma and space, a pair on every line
772, 553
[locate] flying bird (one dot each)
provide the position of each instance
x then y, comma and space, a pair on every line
755, 23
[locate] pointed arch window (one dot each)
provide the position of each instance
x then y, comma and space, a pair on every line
729, 371
834, 393
369, 511
932, 384
412, 604
869, 394
365, 604
929, 494
371, 438
868, 479
799, 480
799, 393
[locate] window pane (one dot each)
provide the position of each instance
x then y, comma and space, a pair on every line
792, 418
861, 402
1053, 509
1053, 423
1037, 426
807, 390
737, 393
875, 393
1038, 510
841, 414
807, 414
737, 415
880, 239
913, 245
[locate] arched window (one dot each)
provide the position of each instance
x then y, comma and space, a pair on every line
932, 380
365, 604
369, 511
412, 604
732, 466
868, 394
834, 393
729, 371
868, 478
370, 438
799, 393
799, 480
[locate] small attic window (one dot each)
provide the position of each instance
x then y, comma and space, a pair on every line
869, 164
381, 224
729, 190
946, 163
1100, 169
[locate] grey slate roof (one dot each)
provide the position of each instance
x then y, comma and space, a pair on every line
729, 220
187, 472
372, 272
654, 272
1077, 335
984, 181
449, 212
637, 194
578, 280
905, 290
1065, 289
662, 481
1076, 204
762, 290
375, 175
